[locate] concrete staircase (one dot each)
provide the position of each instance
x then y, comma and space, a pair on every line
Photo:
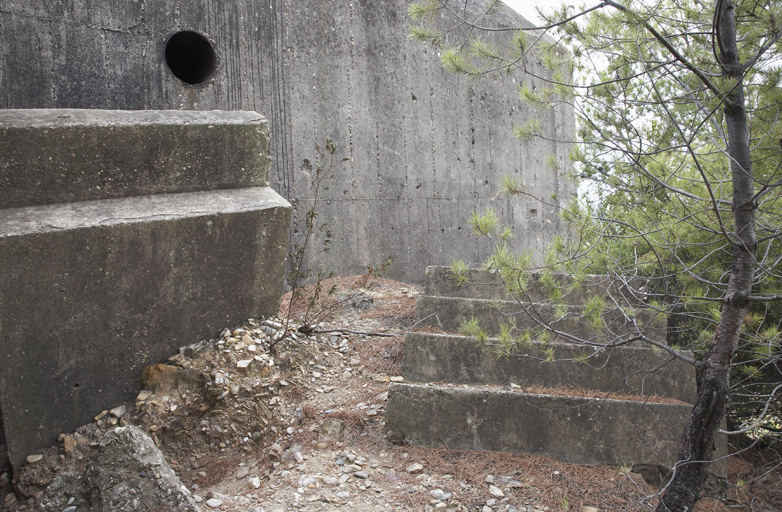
459, 393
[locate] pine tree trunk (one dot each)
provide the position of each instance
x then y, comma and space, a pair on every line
698, 439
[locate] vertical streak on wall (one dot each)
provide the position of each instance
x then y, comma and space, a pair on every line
279, 113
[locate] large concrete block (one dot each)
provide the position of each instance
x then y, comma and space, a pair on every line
92, 291
57, 156
449, 313
619, 370
591, 431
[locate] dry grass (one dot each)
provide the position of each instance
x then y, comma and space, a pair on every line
382, 355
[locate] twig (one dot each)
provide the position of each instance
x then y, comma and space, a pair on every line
325, 331
422, 320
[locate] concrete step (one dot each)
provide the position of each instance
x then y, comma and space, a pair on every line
124, 236
572, 429
67, 155
624, 370
488, 284
449, 313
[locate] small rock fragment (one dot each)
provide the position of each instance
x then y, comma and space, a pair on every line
214, 503
241, 473
496, 491
32, 459
414, 468
118, 412
68, 444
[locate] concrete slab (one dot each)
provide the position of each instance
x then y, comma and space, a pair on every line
451, 312
576, 430
55, 156
92, 292
625, 370
488, 284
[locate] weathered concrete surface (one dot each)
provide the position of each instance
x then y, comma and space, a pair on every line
92, 291
628, 370
58, 156
452, 312
471, 410
424, 150
128, 473
488, 284
577, 430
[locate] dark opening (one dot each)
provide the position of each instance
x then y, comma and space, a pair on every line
191, 57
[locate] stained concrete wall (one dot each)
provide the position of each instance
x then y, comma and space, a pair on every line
423, 148
104, 270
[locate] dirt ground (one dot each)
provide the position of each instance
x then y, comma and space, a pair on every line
252, 423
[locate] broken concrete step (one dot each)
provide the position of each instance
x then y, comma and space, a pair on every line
449, 313
488, 284
624, 370
577, 430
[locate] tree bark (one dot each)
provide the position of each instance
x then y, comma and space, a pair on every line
697, 448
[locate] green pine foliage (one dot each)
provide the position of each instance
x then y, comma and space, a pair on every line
652, 158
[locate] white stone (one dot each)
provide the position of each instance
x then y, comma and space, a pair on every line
118, 412
214, 503
496, 491
415, 468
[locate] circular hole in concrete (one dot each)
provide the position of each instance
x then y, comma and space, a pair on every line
191, 57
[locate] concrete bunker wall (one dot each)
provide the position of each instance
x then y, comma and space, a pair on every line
423, 149
124, 235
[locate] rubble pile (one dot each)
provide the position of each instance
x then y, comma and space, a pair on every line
221, 401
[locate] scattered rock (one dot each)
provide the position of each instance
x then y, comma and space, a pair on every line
32, 459
68, 443
119, 411
414, 468
127, 474
331, 429
496, 491
214, 503
165, 376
